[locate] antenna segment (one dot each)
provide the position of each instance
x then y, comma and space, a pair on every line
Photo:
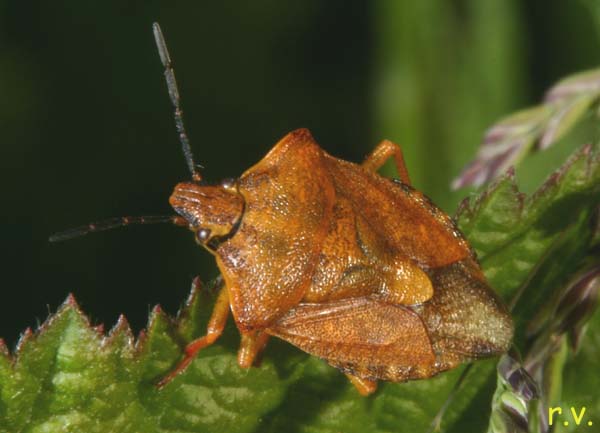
114, 223
165, 58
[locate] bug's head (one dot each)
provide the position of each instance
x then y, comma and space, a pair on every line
212, 211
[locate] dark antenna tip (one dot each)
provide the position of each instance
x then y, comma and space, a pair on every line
165, 58
160, 43
54, 238
62, 236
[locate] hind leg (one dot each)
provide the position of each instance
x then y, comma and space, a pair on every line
384, 151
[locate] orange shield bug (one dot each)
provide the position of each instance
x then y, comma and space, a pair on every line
360, 270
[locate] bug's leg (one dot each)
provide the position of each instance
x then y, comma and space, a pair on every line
250, 346
215, 327
363, 386
382, 152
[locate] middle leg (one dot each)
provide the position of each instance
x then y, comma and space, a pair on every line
251, 345
364, 387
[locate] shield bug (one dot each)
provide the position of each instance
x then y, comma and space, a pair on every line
358, 269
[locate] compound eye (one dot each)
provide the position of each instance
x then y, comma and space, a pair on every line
228, 183
202, 235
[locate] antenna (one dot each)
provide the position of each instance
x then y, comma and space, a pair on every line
165, 58
114, 223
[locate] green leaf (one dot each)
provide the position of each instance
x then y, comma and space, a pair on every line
69, 376
512, 234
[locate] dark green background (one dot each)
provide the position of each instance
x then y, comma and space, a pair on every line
86, 127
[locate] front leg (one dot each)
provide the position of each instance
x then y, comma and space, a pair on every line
215, 327
382, 152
